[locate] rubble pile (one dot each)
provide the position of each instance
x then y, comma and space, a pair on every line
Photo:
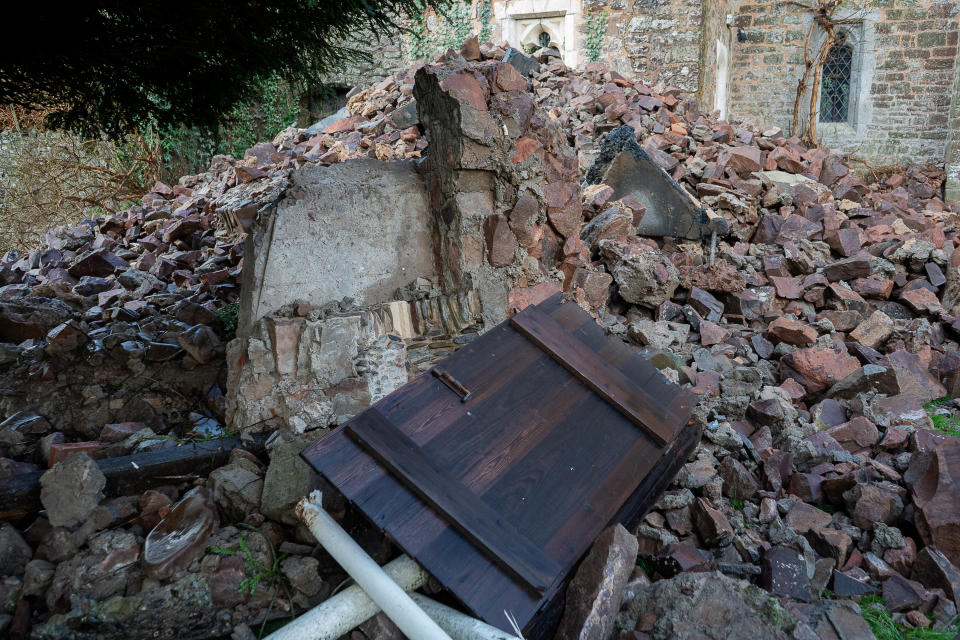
815, 323
100, 326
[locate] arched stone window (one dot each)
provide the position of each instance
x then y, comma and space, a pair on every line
844, 108
541, 33
836, 82
532, 24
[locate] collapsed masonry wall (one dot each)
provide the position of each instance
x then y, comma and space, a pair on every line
361, 260
308, 368
504, 186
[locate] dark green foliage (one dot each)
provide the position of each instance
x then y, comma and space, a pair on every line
485, 16
453, 26
258, 573
115, 66
643, 564
228, 315
596, 30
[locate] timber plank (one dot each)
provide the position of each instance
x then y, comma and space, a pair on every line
650, 383
604, 379
481, 524
558, 490
484, 589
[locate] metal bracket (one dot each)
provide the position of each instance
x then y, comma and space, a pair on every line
458, 387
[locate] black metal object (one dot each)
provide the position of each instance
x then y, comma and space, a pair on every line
670, 210
20, 494
453, 383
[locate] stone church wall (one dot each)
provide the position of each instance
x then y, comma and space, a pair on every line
904, 65
744, 57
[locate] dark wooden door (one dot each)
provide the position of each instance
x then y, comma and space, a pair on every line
497, 469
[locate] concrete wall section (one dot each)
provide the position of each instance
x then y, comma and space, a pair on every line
360, 229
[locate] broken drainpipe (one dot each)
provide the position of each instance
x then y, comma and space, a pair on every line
353, 606
460, 626
394, 601
336, 616
339, 614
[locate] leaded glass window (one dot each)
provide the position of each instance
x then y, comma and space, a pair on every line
835, 83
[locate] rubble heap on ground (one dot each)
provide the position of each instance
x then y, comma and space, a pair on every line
815, 332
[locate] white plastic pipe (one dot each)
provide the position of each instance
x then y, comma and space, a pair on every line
398, 606
350, 608
460, 626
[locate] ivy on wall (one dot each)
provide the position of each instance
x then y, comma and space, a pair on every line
420, 46
596, 29
456, 27
448, 30
485, 16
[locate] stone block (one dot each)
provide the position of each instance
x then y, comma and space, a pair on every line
670, 210
345, 221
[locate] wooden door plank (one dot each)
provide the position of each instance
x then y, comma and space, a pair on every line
607, 381
482, 587
429, 409
669, 401
474, 518
429, 415
604, 501
656, 480
497, 434
425, 407
548, 490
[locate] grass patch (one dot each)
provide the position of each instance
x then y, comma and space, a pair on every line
948, 424
884, 628
736, 501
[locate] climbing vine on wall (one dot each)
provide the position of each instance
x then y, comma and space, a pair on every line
596, 29
448, 30
824, 20
420, 45
456, 26
485, 16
